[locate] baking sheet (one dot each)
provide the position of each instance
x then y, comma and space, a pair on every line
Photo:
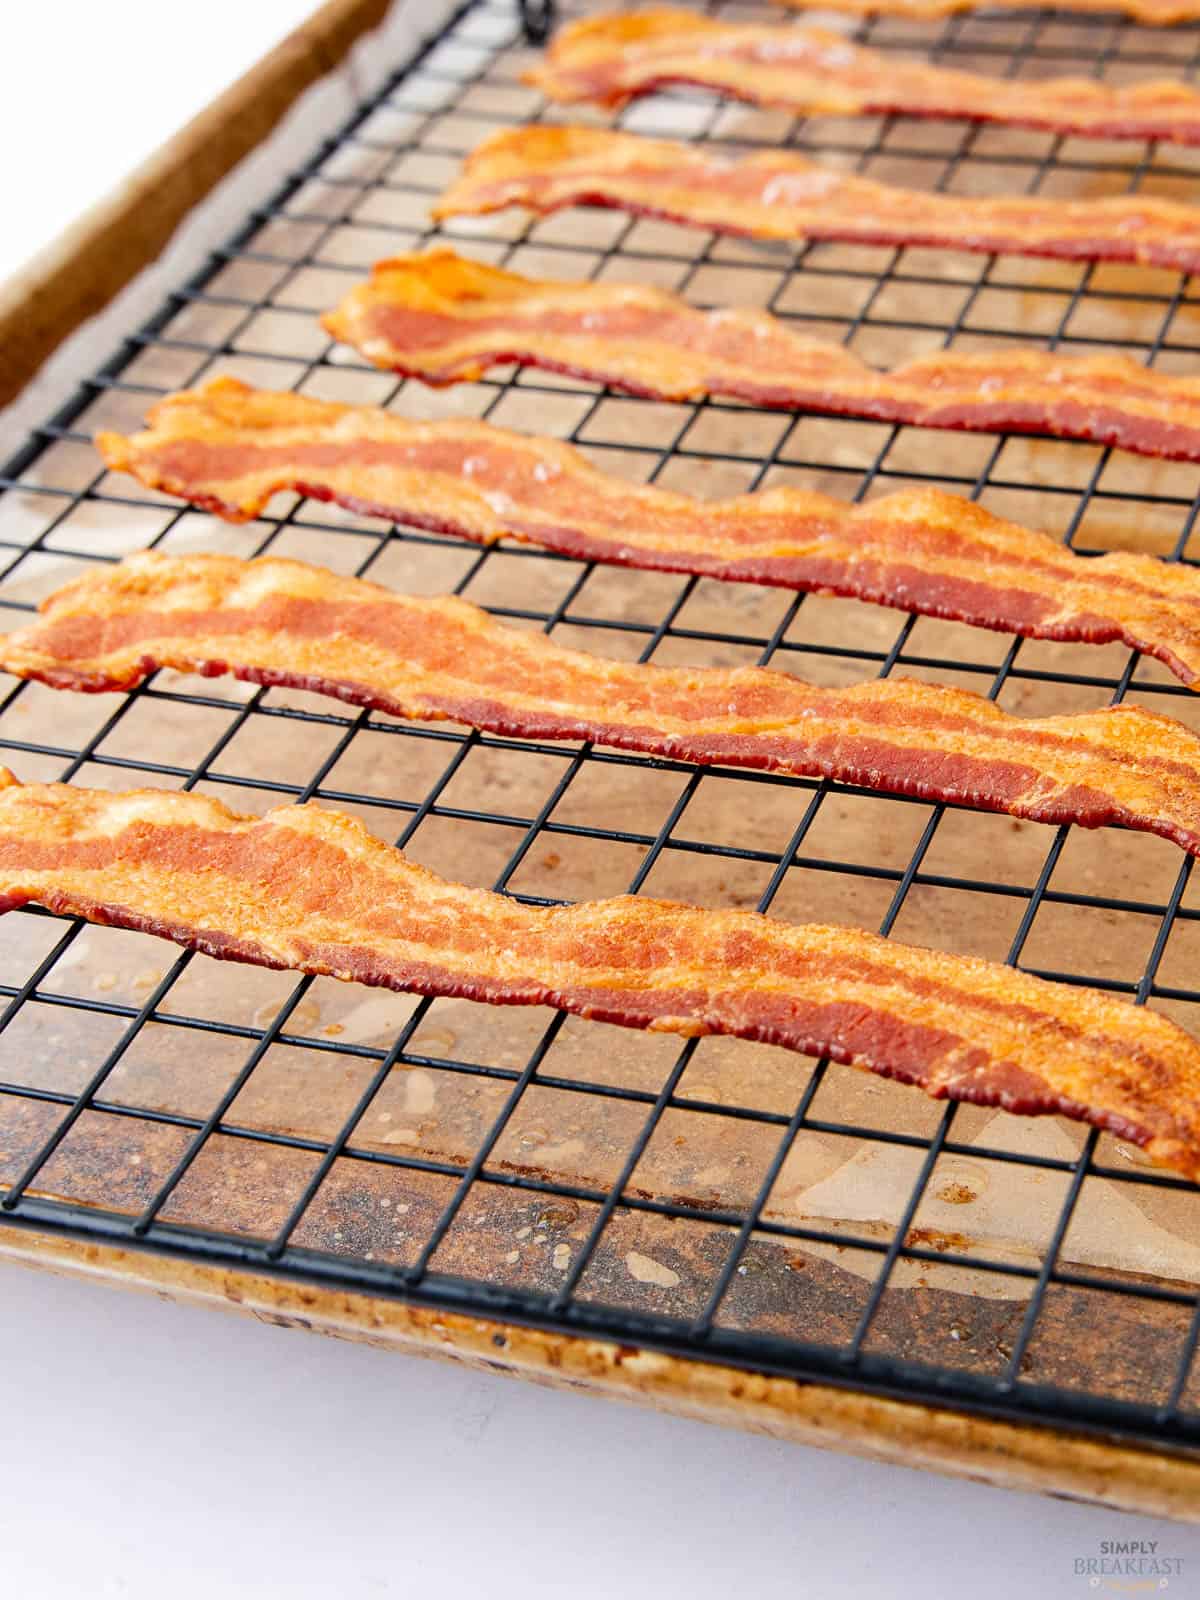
975, 882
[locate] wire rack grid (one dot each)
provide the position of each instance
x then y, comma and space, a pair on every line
1000, 1320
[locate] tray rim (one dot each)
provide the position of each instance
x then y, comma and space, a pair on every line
1094, 1470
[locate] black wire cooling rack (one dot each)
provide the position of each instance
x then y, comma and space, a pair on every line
364, 194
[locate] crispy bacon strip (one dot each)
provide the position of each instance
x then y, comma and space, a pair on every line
612, 58
1153, 13
285, 622
443, 319
775, 194
229, 448
314, 891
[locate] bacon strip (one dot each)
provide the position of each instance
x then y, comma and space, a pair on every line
228, 448
443, 319
285, 622
613, 58
314, 891
1153, 13
775, 194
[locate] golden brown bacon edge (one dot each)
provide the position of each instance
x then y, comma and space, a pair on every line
775, 194
314, 891
228, 448
613, 58
1152, 13
444, 319
287, 623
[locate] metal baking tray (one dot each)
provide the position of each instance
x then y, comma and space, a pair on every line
724, 1228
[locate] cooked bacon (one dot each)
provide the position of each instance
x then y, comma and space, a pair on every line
611, 59
313, 890
285, 622
442, 318
1153, 13
775, 194
228, 448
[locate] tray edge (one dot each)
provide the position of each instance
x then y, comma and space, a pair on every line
1094, 1470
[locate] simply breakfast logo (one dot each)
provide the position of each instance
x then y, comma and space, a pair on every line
1128, 1566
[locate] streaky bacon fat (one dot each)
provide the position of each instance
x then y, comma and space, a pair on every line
228, 448
285, 622
443, 319
611, 59
314, 891
1153, 13
776, 194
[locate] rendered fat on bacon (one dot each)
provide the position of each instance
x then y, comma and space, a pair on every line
443, 319
314, 891
285, 622
1153, 13
613, 58
776, 194
228, 448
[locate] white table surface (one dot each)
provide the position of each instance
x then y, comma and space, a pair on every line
70, 132
154, 1451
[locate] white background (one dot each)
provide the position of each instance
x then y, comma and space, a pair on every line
166, 1453
152, 1451
91, 90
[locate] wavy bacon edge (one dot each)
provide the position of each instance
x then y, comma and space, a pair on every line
613, 58
1152, 13
313, 891
228, 448
445, 319
278, 622
777, 194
